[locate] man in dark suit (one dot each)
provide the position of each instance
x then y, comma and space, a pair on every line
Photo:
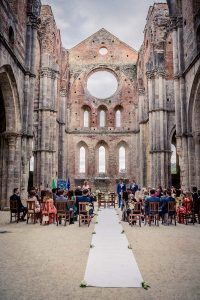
121, 187
21, 208
133, 186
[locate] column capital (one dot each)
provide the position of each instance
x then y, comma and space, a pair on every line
63, 93
141, 91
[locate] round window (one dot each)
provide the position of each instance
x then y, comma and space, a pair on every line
102, 84
103, 50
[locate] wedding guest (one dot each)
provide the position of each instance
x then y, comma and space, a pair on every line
16, 197
121, 187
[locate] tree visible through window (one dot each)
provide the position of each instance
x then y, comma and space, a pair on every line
118, 118
102, 159
82, 160
122, 162
102, 118
86, 118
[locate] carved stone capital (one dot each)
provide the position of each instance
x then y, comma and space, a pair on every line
150, 74
141, 91
63, 93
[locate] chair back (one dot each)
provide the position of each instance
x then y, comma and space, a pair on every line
112, 196
30, 205
61, 206
13, 205
83, 207
171, 206
137, 208
101, 196
154, 207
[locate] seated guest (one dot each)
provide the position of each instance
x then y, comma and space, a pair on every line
159, 192
71, 206
33, 197
151, 198
164, 206
54, 193
49, 208
60, 196
78, 191
21, 208
85, 198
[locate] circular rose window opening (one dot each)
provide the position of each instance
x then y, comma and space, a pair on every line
102, 84
103, 50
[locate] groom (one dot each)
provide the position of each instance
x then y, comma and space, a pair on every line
121, 187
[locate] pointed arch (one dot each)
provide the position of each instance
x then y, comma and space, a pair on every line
11, 99
82, 158
118, 116
102, 159
102, 116
123, 158
86, 116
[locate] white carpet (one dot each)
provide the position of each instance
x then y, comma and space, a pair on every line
110, 262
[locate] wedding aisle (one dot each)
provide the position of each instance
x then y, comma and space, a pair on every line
111, 263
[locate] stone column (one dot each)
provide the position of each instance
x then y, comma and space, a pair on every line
142, 155
61, 142
11, 164
197, 159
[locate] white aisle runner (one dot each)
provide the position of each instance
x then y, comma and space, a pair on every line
110, 262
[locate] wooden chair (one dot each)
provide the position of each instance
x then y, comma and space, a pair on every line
101, 200
111, 199
84, 215
14, 211
172, 212
153, 213
62, 212
189, 215
135, 214
31, 213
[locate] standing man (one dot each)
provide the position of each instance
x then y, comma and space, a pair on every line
121, 187
133, 186
16, 197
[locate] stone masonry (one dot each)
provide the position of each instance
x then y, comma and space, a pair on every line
44, 99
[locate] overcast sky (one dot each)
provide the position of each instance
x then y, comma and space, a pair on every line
78, 19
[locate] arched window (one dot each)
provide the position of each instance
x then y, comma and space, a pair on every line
11, 36
173, 160
102, 118
86, 118
118, 118
82, 160
122, 159
102, 159
31, 169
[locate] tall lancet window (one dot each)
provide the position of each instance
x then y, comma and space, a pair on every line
82, 160
102, 117
86, 118
102, 159
118, 118
122, 159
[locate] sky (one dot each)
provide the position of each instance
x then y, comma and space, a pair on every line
78, 19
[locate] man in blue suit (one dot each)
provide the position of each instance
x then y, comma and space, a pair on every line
121, 187
151, 198
85, 198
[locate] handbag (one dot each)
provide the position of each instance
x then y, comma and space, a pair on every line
45, 218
